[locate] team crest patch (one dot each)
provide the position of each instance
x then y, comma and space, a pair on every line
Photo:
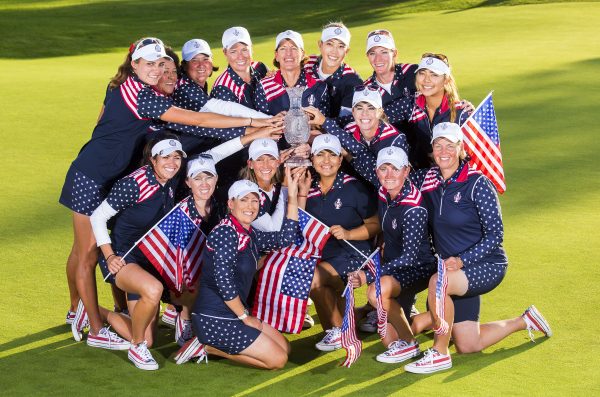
337, 204
338, 31
157, 48
311, 100
265, 144
394, 224
171, 192
377, 39
196, 44
172, 142
429, 61
457, 197
236, 33
390, 151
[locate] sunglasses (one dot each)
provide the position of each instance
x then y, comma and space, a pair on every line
148, 41
360, 88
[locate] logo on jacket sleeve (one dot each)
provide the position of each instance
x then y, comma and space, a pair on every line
337, 204
457, 197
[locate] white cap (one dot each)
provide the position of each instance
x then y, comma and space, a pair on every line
166, 147
151, 49
201, 164
435, 65
234, 35
372, 96
450, 131
290, 35
336, 32
392, 155
241, 188
380, 40
262, 146
326, 142
194, 47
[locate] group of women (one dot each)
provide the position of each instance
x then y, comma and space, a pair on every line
388, 169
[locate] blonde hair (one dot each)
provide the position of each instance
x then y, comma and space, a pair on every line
248, 173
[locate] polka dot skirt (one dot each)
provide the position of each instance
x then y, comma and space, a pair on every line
80, 193
230, 336
484, 277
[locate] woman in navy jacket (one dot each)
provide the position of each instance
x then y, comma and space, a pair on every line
466, 222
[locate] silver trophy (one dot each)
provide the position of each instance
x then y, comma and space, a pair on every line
296, 128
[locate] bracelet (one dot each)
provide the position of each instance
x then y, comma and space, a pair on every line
243, 315
110, 256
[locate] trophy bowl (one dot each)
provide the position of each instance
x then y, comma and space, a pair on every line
296, 128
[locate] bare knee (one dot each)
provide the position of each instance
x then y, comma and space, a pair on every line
277, 361
465, 347
152, 291
372, 295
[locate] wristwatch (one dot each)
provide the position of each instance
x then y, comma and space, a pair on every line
243, 315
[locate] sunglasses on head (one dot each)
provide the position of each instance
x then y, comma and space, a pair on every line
360, 88
148, 41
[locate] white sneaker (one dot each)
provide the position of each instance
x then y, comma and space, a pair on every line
399, 351
309, 302
536, 322
80, 321
414, 311
169, 316
369, 324
332, 340
70, 317
183, 330
141, 357
309, 322
192, 349
432, 361
107, 339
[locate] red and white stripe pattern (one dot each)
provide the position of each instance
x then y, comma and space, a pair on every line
431, 181
441, 287
413, 198
282, 291
129, 92
350, 341
374, 266
482, 143
273, 87
243, 238
227, 81
147, 189
194, 252
405, 67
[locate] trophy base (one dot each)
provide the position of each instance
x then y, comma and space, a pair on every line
294, 162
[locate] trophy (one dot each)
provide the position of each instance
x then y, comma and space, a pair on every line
296, 129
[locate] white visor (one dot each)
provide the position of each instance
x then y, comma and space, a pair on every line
150, 52
166, 147
366, 95
194, 47
263, 146
450, 131
290, 35
392, 155
336, 32
326, 142
380, 40
435, 65
199, 165
234, 35
241, 188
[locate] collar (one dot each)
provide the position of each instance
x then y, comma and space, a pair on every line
150, 175
460, 175
421, 102
135, 78
339, 72
304, 80
337, 183
185, 79
238, 226
405, 191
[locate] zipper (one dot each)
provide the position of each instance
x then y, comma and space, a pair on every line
442, 200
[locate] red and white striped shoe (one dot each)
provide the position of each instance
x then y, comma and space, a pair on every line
169, 316
399, 351
183, 330
332, 340
106, 339
70, 317
141, 357
190, 350
432, 361
80, 321
536, 322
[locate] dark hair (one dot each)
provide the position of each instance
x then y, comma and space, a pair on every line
159, 136
170, 52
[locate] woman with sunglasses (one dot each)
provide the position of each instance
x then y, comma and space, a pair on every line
437, 101
126, 116
329, 67
345, 205
407, 261
271, 96
467, 228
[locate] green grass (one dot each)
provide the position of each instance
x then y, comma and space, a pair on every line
542, 60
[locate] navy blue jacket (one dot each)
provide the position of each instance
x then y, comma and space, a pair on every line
230, 263
464, 215
229, 86
340, 85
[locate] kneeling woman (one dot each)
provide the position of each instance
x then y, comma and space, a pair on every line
220, 316
466, 222
408, 261
141, 199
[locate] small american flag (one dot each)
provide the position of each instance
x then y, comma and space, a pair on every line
174, 246
350, 342
285, 279
441, 285
482, 143
375, 268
